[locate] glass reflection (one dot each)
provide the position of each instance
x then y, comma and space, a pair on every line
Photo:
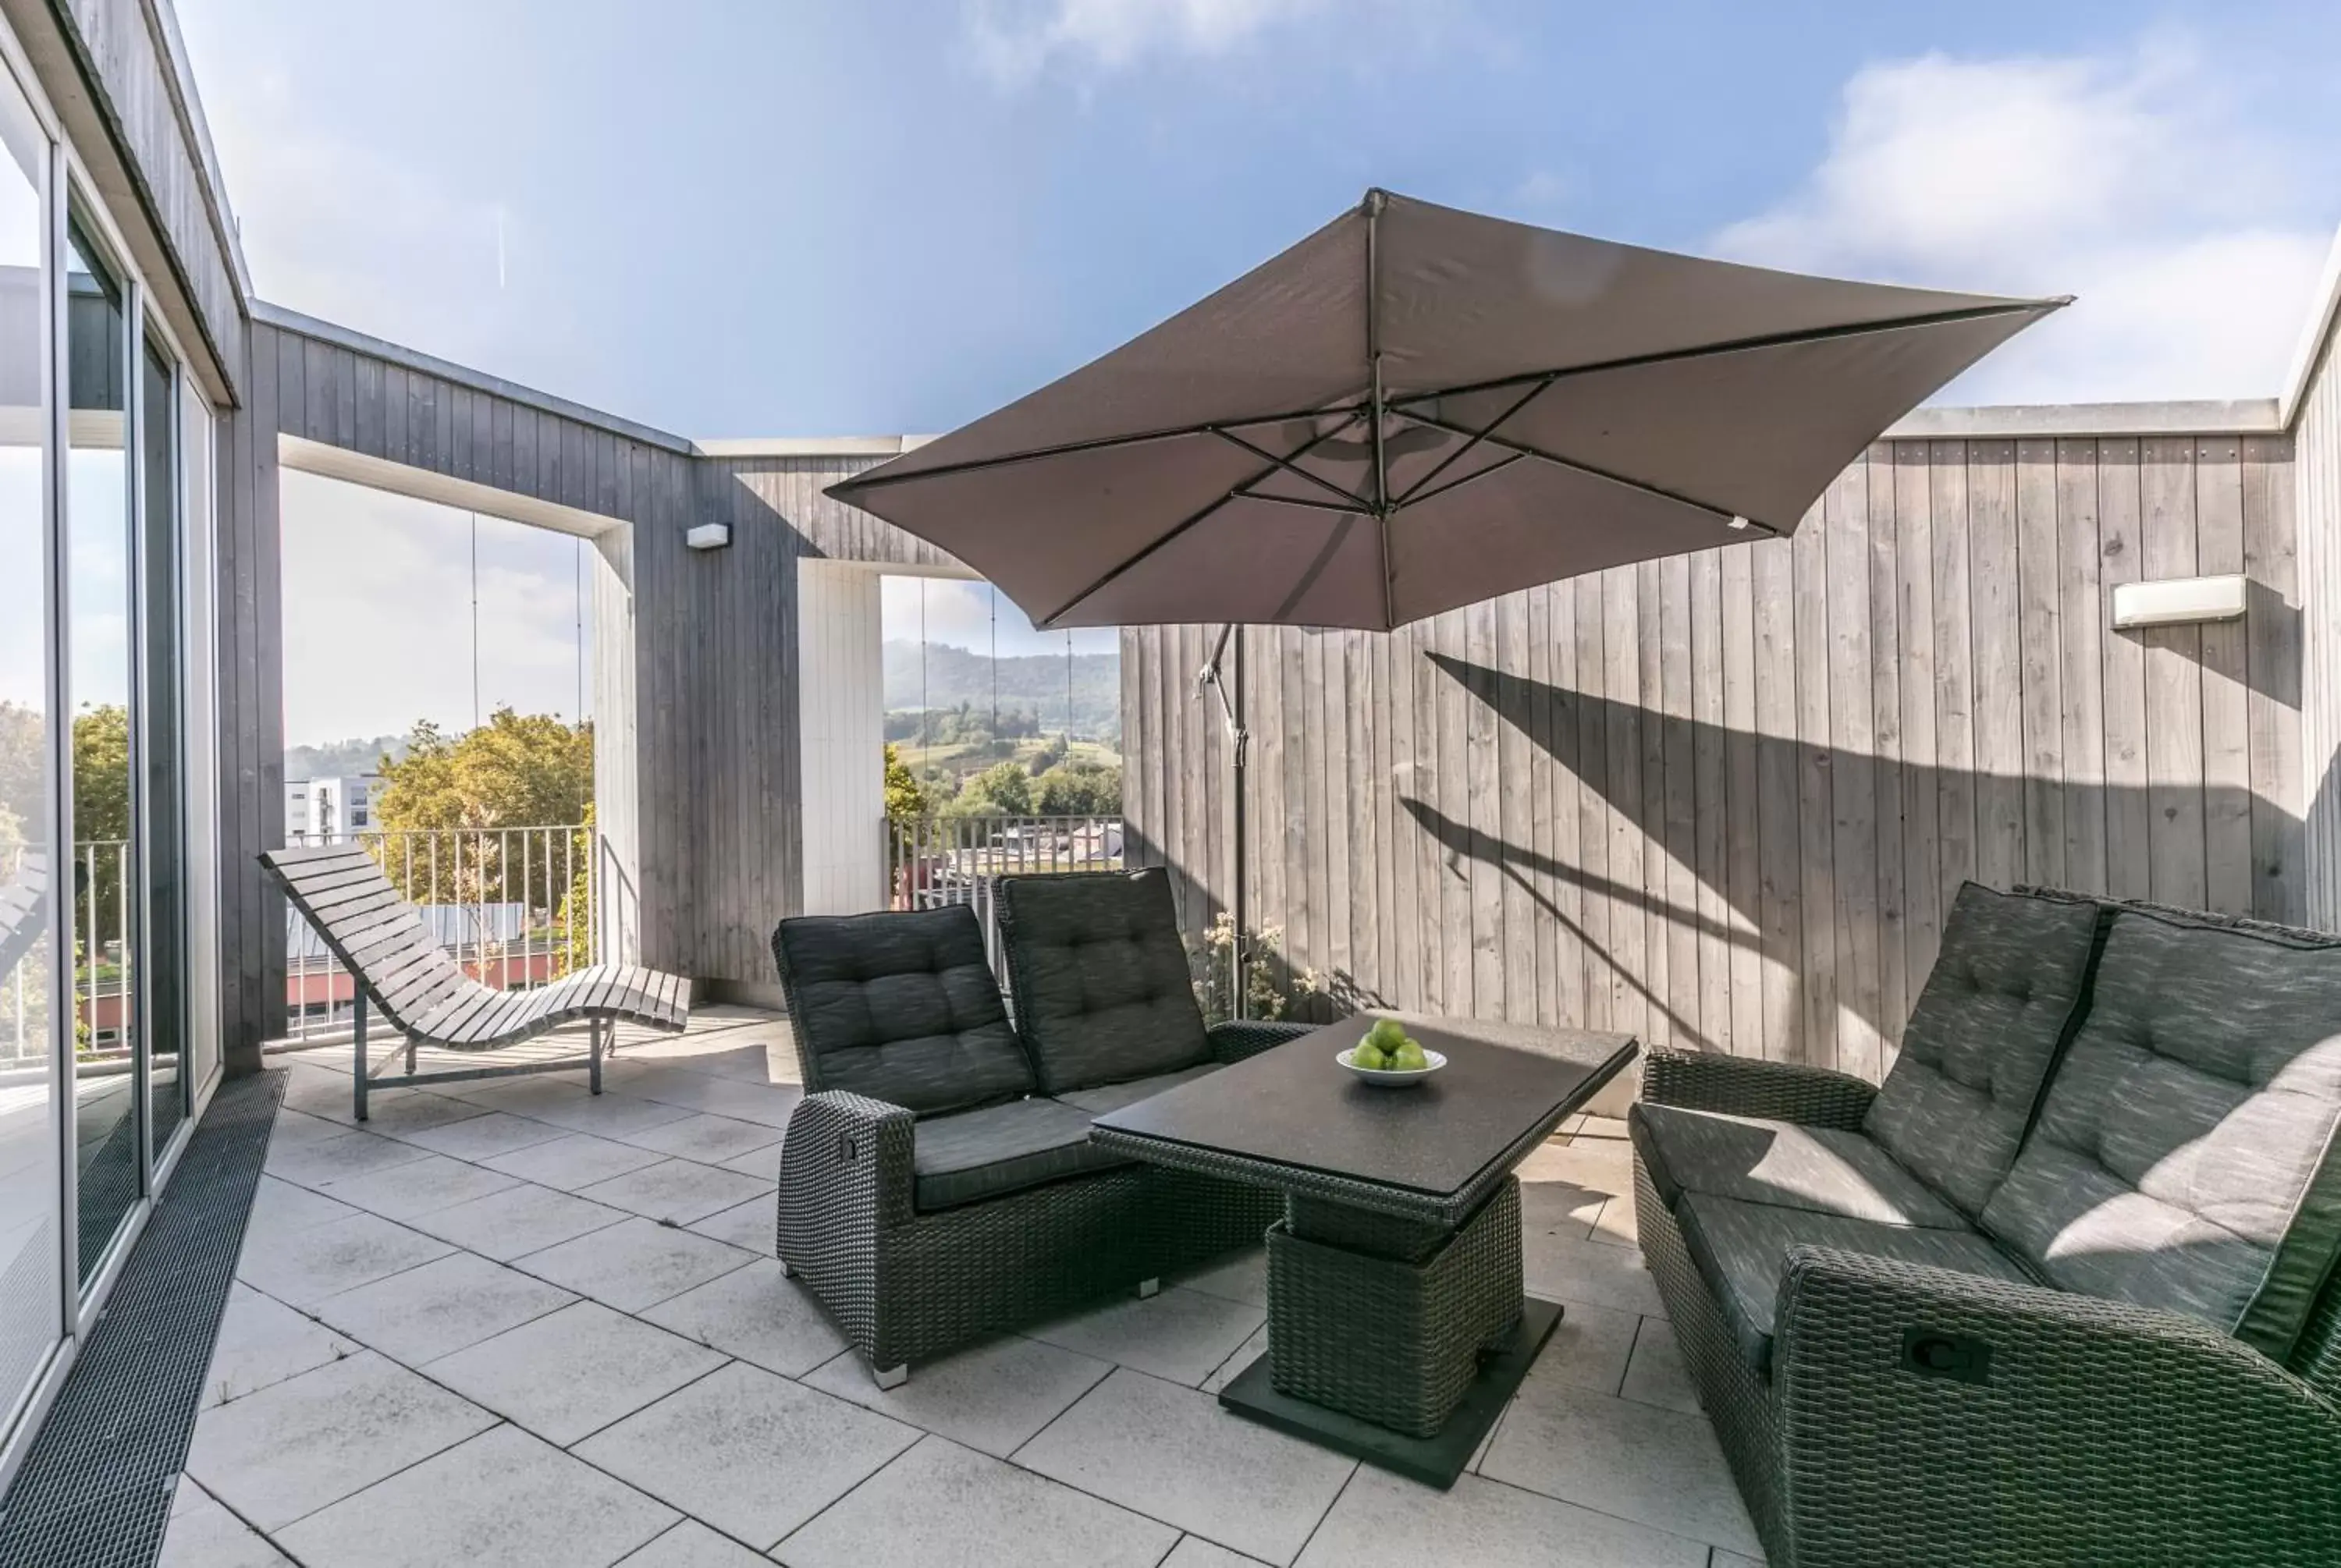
30, 1299
97, 672
163, 1010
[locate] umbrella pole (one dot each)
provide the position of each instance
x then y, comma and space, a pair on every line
1231, 704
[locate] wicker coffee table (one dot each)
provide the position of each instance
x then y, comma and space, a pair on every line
1397, 1323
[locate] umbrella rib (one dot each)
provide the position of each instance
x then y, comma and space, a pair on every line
1507, 461
1519, 449
1414, 490
1351, 511
1357, 503
1737, 346
1127, 562
878, 477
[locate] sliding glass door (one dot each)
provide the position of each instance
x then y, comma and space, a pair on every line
162, 793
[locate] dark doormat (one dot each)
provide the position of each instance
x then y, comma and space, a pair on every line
95, 1490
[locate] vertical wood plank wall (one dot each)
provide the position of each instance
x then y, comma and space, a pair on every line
1726, 801
2318, 470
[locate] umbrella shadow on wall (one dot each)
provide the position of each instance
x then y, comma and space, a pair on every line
1626, 754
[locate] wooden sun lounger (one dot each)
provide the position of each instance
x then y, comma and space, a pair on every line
383, 941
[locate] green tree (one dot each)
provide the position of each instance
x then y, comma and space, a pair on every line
101, 824
906, 802
1003, 789
577, 915
516, 770
1077, 789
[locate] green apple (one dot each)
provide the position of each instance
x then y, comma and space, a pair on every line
1388, 1034
1369, 1056
1408, 1058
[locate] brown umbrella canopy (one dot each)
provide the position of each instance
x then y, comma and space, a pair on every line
1417, 408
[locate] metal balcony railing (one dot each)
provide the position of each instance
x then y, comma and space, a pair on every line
937, 860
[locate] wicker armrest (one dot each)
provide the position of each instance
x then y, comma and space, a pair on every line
1935, 1417
1742, 1086
846, 1164
1237, 1038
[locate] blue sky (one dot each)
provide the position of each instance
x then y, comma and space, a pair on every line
798, 218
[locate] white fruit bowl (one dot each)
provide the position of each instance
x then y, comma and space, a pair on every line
1383, 1077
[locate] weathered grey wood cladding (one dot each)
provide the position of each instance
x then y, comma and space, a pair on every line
1726, 799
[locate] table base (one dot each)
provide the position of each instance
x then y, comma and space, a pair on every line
1435, 1460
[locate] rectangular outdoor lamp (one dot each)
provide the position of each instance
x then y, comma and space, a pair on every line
2177, 600
709, 536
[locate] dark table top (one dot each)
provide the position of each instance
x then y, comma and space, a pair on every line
1294, 1117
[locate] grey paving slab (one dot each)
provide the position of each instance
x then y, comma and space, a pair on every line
1239, 1276
203, 1535
1719, 1558
503, 1498
520, 1219
1180, 1334
753, 1454
764, 1163
489, 1133
692, 1544
570, 1373
280, 1207
1589, 1348
1656, 1375
262, 1342
1634, 1461
1383, 1521
312, 1439
1194, 1552
757, 1314
1559, 1265
439, 1308
749, 1225
992, 1398
577, 1160
1228, 1371
293, 1129
302, 1267
709, 1139
1171, 1454
1616, 1224
940, 1503
320, 1164
679, 1190
634, 1264
609, 1114
403, 1115
769, 1104
418, 1187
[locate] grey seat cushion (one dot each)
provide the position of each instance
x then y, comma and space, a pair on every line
2183, 1158
1107, 1098
971, 1155
1981, 1038
1827, 1170
1099, 977
901, 1008
1741, 1250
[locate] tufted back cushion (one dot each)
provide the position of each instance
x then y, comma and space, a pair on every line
2182, 1158
1100, 977
1981, 1038
900, 1006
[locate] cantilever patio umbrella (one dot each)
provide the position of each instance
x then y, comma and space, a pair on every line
1417, 408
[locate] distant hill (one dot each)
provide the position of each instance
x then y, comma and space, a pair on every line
1033, 684
342, 758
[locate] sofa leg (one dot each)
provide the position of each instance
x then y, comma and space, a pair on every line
1147, 1287
787, 1271
889, 1377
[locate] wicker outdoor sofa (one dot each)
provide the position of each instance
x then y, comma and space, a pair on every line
2062, 1290
937, 1184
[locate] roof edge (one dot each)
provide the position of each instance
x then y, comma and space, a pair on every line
809, 446
2309, 352
2020, 422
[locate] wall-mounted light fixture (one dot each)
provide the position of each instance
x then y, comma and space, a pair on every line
709, 536
2178, 599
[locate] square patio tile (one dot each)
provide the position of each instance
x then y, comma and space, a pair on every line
676, 1189
293, 1128
1383, 1521
1561, 1266
1194, 1552
635, 1264
503, 1498
764, 1164
609, 1114
1173, 1454
526, 1094
753, 1455
520, 1219
709, 1139
304, 1266
395, 1116
578, 1160
1589, 1349
320, 1164
489, 1133
1616, 1224
1722, 1558
1228, 1371
281, 1207
439, 1308
203, 1535
692, 1544
941, 1503
769, 1104
314, 1439
992, 1398
1661, 1467
418, 1187
749, 1226
1656, 1375
262, 1342
756, 1313
1177, 1333
568, 1374
1239, 1276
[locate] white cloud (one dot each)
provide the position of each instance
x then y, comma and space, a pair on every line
962, 614
1016, 40
2129, 180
